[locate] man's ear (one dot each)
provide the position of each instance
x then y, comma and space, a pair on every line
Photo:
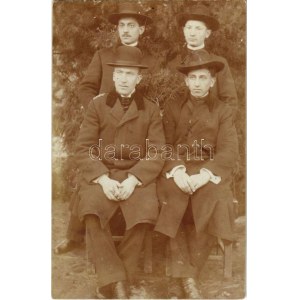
186, 80
208, 33
213, 81
141, 29
140, 77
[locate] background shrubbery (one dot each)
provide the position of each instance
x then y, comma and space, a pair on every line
80, 28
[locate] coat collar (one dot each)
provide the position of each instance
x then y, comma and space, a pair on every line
210, 99
113, 96
144, 47
186, 52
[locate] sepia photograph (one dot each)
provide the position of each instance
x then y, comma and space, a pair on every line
149, 149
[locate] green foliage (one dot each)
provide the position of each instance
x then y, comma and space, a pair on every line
80, 28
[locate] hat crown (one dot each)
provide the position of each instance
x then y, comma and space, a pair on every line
199, 13
128, 54
128, 7
198, 60
200, 10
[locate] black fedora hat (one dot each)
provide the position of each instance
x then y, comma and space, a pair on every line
200, 61
199, 13
127, 56
129, 9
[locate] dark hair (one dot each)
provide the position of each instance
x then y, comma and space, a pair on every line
212, 71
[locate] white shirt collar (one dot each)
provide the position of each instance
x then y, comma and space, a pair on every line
195, 48
201, 96
131, 45
128, 95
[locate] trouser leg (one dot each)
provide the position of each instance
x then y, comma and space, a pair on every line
76, 229
200, 246
130, 248
189, 249
108, 264
181, 265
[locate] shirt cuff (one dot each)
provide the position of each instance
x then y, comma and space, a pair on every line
139, 183
172, 172
98, 178
213, 178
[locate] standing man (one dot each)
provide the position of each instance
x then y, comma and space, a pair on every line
118, 155
130, 24
194, 189
198, 24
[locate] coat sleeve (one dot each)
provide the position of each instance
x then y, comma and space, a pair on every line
170, 124
86, 157
226, 88
90, 85
148, 168
226, 152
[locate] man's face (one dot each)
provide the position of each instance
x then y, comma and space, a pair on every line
125, 79
195, 33
129, 30
199, 82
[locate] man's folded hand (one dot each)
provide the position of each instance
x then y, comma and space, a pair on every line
183, 181
127, 187
199, 180
111, 187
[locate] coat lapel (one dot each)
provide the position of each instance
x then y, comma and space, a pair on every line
131, 113
117, 112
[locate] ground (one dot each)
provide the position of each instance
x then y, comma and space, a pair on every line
71, 281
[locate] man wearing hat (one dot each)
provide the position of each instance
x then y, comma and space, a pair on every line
130, 24
198, 24
98, 79
194, 191
117, 152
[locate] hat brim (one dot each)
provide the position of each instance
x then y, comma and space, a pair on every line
210, 22
126, 64
142, 19
215, 65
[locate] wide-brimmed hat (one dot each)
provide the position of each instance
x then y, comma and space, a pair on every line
199, 13
127, 56
200, 61
129, 9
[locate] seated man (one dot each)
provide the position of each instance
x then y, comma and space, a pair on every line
118, 157
194, 191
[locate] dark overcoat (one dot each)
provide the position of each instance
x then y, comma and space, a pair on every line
98, 76
111, 141
210, 124
224, 89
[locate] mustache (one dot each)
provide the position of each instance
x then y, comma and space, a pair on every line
126, 35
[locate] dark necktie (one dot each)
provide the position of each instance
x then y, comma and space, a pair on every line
125, 102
